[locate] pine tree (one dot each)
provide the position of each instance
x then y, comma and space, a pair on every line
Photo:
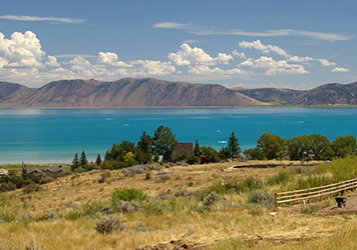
75, 163
83, 161
145, 148
99, 160
233, 149
197, 150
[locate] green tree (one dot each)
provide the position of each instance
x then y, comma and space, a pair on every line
83, 161
233, 149
222, 154
321, 147
75, 163
197, 149
164, 142
210, 153
116, 152
145, 149
254, 153
344, 146
273, 146
98, 161
300, 147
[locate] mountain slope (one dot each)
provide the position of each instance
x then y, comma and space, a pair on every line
127, 92
329, 94
272, 95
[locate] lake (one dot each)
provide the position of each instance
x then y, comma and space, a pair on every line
55, 135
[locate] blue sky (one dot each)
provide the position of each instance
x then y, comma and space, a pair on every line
251, 44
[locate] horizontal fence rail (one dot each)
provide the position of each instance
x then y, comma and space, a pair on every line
316, 192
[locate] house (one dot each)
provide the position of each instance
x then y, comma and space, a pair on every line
182, 152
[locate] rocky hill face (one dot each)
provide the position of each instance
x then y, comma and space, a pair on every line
325, 95
272, 95
127, 92
329, 94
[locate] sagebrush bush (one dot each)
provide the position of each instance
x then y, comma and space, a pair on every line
129, 207
107, 225
264, 199
213, 198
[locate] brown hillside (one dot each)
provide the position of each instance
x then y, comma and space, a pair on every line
130, 92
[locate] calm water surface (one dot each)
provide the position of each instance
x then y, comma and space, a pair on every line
55, 135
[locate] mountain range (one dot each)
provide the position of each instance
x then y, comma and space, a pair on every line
151, 92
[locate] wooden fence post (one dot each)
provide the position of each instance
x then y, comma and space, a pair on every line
276, 201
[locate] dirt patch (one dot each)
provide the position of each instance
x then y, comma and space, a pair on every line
350, 208
175, 245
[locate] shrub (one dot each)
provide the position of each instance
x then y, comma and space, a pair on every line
4, 187
92, 208
51, 216
282, 176
129, 207
193, 160
106, 210
126, 194
213, 198
103, 177
260, 198
107, 225
31, 188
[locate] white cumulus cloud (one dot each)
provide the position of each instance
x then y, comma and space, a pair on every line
196, 56
340, 70
110, 58
52, 62
325, 62
22, 50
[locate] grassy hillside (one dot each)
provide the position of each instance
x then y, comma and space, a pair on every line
211, 206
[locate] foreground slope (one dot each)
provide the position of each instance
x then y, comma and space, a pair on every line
128, 92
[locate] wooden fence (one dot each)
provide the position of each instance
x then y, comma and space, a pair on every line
317, 192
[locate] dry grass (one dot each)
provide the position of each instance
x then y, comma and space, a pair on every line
237, 226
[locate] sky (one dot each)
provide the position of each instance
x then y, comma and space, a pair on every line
249, 44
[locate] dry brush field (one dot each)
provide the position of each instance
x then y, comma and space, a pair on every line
184, 208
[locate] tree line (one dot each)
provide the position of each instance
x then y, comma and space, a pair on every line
158, 148
161, 145
306, 147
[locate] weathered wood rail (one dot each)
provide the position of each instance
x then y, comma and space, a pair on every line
317, 192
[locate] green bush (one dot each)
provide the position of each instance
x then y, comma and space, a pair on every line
193, 160
92, 208
126, 194
282, 176
107, 225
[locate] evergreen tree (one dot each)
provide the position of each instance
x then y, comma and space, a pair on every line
145, 148
83, 160
222, 154
197, 150
164, 142
75, 163
233, 149
99, 160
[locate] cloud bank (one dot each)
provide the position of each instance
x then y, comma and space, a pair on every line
22, 60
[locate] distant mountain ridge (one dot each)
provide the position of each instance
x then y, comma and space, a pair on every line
324, 95
127, 92
151, 92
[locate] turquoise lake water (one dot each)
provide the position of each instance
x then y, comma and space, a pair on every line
55, 135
